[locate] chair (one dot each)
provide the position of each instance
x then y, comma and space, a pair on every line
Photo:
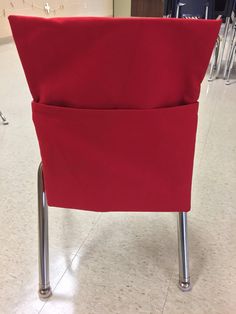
206, 9
3, 118
167, 8
231, 54
201, 9
231, 48
221, 43
116, 131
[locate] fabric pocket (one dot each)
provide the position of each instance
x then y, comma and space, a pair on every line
117, 160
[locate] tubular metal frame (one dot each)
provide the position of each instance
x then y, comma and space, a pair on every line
219, 52
44, 282
224, 39
231, 63
4, 120
231, 53
181, 4
230, 48
214, 62
215, 69
184, 274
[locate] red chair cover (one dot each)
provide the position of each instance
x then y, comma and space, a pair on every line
115, 107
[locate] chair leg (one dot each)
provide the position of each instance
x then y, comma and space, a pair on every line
230, 49
184, 276
4, 120
206, 12
231, 63
224, 39
214, 61
213, 64
178, 8
44, 283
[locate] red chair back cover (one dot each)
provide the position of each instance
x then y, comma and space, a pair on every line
115, 104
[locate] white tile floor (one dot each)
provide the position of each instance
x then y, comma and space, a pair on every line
117, 262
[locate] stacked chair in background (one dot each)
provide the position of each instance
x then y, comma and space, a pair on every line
231, 50
220, 50
211, 9
201, 9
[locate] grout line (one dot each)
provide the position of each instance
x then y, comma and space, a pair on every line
76, 253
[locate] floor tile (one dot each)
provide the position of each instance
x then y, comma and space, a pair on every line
123, 263
125, 266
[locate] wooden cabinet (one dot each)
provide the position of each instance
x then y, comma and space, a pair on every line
147, 8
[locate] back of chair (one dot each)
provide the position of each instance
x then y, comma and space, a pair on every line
229, 7
224, 7
201, 9
115, 113
167, 7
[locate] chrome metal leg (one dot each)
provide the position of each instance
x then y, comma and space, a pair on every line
44, 283
224, 39
184, 276
231, 63
4, 120
206, 12
214, 60
179, 5
177, 11
230, 49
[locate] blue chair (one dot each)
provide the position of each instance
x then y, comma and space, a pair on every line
200, 9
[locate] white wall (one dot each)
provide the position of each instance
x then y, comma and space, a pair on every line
71, 8
122, 8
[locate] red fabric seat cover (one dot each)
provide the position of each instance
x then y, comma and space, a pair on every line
115, 107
